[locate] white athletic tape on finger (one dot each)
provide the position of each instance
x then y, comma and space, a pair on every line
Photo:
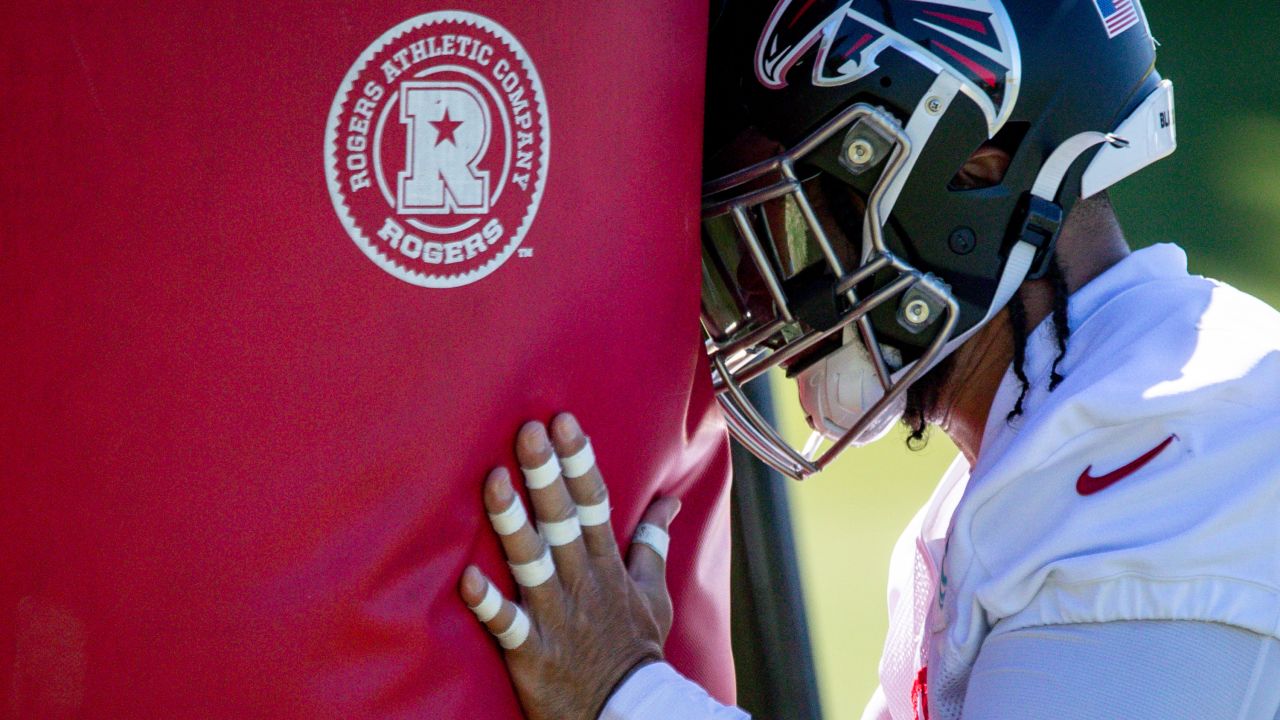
510, 520
653, 536
543, 475
561, 532
534, 572
579, 463
592, 515
515, 635
489, 606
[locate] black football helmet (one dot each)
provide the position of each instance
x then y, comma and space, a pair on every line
837, 231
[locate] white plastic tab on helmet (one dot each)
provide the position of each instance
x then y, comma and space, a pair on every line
535, 572
593, 515
653, 536
489, 606
579, 463
543, 475
510, 520
561, 532
1151, 132
813, 445
515, 634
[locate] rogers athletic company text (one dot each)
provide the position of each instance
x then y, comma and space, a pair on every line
437, 148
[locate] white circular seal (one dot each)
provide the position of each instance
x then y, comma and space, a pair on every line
436, 148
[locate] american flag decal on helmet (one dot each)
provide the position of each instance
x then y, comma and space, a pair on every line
972, 38
1117, 15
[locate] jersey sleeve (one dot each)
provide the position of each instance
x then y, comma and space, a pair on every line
657, 692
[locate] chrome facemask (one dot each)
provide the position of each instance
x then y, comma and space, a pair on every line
751, 324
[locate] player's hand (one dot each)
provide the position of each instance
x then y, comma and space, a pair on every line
585, 620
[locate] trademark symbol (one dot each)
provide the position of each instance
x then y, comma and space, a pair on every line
525, 252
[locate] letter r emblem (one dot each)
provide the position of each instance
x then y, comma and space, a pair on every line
447, 133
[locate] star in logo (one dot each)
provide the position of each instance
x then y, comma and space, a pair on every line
445, 127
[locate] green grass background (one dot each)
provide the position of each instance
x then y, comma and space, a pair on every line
1218, 197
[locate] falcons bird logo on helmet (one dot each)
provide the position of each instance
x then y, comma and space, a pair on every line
972, 38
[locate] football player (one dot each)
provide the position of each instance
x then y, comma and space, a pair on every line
909, 215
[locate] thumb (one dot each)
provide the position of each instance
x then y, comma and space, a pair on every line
646, 560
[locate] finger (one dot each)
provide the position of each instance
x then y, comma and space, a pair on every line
508, 623
586, 485
647, 558
557, 516
528, 556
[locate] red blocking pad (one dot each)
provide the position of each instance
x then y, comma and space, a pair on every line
280, 283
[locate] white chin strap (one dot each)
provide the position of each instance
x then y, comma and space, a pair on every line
1147, 135
1046, 187
839, 389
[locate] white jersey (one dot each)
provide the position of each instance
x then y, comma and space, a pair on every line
1145, 487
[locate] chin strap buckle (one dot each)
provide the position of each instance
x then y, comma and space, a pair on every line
1042, 220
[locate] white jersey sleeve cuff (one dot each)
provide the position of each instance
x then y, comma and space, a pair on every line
657, 692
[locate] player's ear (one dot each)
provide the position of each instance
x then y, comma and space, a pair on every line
985, 168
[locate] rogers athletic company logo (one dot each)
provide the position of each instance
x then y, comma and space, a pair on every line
436, 148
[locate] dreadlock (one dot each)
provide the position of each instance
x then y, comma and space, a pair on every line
1061, 330
1057, 278
1018, 321
920, 397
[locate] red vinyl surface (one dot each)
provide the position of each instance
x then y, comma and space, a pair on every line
240, 462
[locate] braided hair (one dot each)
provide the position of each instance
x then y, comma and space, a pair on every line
1061, 331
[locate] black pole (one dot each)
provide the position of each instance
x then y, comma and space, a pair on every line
775, 670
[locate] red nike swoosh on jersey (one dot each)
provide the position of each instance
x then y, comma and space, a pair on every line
1088, 484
